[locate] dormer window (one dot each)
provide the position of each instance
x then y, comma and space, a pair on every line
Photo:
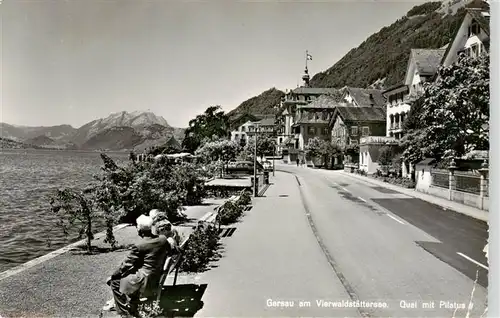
474, 29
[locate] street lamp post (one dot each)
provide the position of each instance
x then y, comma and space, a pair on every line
255, 183
274, 158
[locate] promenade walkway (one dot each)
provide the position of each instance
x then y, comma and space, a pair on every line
271, 260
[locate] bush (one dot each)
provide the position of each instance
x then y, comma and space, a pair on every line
201, 248
229, 212
403, 182
140, 187
245, 198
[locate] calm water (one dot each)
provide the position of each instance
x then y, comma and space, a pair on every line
27, 177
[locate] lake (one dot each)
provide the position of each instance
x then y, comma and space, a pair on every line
28, 228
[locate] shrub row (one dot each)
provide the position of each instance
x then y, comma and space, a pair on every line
402, 182
201, 248
399, 181
204, 241
231, 210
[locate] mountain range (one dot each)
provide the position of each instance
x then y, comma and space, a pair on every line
118, 131
381, 60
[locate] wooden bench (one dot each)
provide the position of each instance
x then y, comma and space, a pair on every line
172, 263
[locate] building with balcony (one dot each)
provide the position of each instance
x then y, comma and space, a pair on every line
423, 64
241, 133
287, 136
312, 120
349, 123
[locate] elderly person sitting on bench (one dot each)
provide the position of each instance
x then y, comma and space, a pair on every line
162, 226
140, 272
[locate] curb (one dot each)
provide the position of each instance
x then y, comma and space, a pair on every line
417, 196
20, 268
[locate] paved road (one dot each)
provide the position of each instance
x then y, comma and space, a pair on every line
392, 247
324, 238
271, 260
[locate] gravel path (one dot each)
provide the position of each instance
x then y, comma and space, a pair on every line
72, 284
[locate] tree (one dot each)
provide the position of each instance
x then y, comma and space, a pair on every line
328, 150
313, 147
212, 123
454, 114
385, 157
265, 146
75, 209
219, 150
317, 147
139, 187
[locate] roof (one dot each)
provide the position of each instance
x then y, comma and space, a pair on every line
322, 102
373, 114
241, 119
427, 61
367, 97
476, 14
315, 90
395, 87
426, 162
268, 121
482, 17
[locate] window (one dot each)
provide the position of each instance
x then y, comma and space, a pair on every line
281, 140
243, 128
366, 131
474, 50
354, 130
325, 131
474, 29
236, 136
311, 131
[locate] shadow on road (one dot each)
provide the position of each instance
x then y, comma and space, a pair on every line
182, 300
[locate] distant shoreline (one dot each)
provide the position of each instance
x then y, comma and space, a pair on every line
64, 150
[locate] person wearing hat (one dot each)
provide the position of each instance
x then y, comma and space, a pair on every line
140, 272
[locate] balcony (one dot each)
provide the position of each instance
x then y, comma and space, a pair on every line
396, 126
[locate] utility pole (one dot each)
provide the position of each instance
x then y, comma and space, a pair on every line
255, 183
274, 158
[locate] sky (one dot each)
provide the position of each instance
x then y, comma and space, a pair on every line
73, 61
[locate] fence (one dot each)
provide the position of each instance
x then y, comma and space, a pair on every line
440, 178
466, 187
466, 181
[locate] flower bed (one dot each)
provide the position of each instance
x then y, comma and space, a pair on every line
399, 181
402, 182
